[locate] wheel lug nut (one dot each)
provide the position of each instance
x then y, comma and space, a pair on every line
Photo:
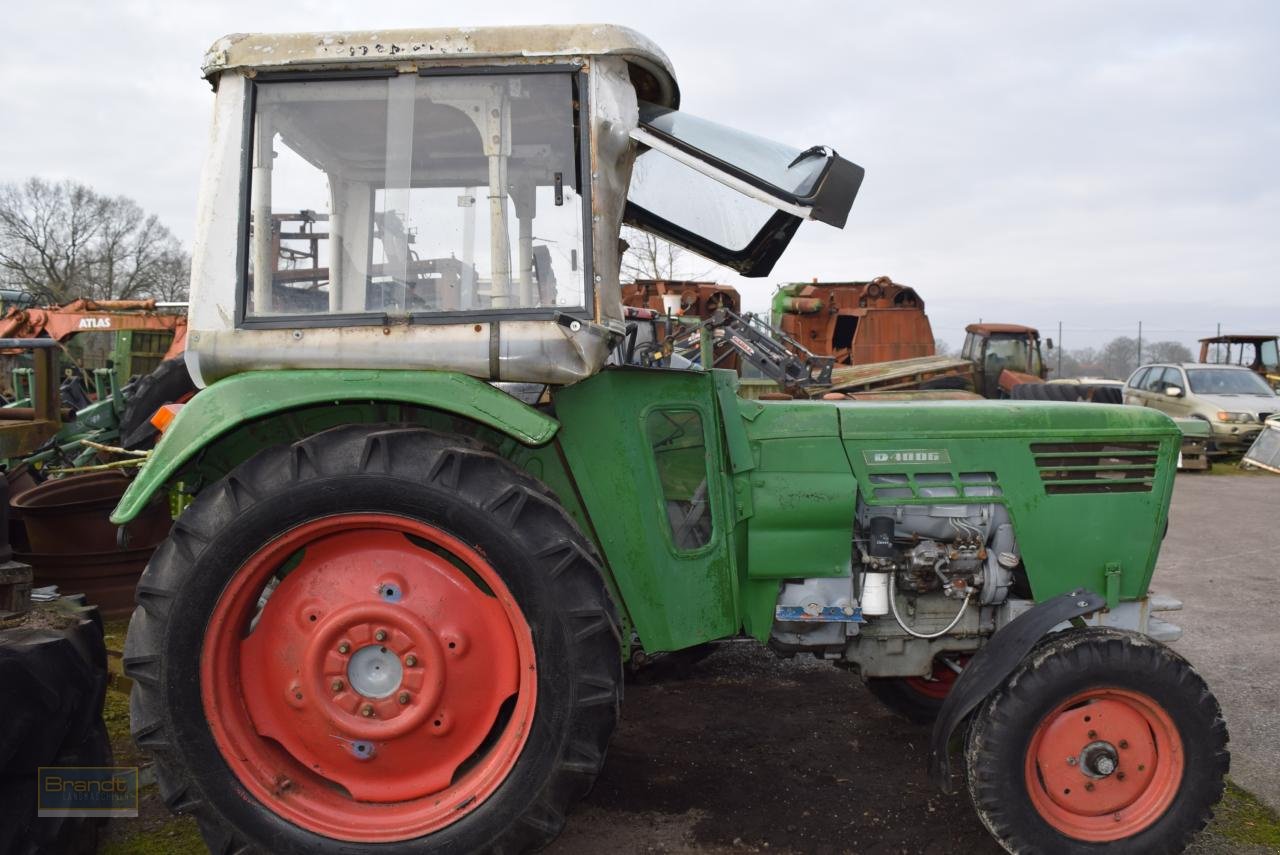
1124, 743
344, 648
1071, 761
411, 660
1093, 734
336, 685
1119, 776
367, 711
403, 698
380, 635
1088, 786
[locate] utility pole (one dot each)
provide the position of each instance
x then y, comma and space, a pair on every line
1059, 349
1139, 344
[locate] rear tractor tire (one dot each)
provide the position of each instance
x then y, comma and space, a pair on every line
1100, 741
376, 639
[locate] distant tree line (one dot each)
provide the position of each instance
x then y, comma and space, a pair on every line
1116, 359
62, 241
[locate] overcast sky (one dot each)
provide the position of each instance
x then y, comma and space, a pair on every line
1094, 163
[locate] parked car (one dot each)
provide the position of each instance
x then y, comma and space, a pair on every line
1232, 399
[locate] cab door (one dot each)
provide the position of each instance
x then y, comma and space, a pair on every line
644, 448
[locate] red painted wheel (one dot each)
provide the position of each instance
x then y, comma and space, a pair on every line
1104, 765
938, 684
386, 687
919, 699
376, 639
1098, 739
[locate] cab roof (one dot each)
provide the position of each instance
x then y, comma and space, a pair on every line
1239, 338
651, 70
997, 329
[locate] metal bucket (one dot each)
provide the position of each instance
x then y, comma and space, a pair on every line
107, 579
71, 515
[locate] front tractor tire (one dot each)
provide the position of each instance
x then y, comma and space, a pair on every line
376, 639
1100, 741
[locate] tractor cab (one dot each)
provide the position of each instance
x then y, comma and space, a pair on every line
452, 199
1258, 353
1004, 356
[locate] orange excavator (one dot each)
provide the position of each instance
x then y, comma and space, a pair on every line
149, 343
63, 322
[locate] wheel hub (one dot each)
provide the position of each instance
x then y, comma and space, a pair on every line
375, 672
1099, 759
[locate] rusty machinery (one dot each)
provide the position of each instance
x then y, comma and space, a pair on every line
856, 323
696, 300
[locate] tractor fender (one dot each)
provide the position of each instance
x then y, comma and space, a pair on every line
229, 403
992, 665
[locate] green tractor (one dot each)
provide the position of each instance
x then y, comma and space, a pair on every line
427, 521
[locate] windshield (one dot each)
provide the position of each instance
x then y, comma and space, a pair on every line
1013, 353
416, 194
1226, 381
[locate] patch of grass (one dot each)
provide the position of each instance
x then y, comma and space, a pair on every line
1242, 819
177, 834
114, 632
115, 713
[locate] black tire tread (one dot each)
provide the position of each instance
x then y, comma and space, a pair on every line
1006, 719
484, 480
166, 384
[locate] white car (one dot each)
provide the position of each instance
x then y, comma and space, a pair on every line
1232, 399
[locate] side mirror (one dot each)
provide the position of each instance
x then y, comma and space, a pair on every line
1173, 391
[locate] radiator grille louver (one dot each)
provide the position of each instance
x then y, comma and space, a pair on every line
935, 485
1097, 467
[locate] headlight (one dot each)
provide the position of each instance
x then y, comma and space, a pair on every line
1234, 418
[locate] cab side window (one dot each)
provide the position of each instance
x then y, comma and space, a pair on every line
679, 449
1135, 382
1155, 382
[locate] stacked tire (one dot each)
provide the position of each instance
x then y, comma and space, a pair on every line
52, 686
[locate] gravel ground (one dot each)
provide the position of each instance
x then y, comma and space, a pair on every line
743, 752
1222, 559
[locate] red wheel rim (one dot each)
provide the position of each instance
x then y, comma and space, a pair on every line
1104, 765
938, 684
384, 691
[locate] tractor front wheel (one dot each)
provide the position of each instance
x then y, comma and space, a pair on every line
376, 636
1101, 740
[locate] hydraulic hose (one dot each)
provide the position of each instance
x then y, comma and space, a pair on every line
893, 607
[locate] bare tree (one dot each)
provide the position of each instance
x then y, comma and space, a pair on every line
64, 241
1166, 351
650, 257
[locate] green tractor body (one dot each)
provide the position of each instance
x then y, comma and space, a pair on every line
777, 483
427, 517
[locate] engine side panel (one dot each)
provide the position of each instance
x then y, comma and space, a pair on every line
1086, 486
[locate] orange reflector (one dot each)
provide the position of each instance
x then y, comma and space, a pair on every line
163, 416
